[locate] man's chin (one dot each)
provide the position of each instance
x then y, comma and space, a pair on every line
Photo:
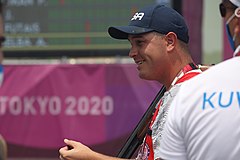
144, 76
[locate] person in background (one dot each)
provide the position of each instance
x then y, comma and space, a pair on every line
230, 12
203, 119
2, 39
3, 148
159, 46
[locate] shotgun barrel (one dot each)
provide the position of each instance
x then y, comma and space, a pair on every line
136, 137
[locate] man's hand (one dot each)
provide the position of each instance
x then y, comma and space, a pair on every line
78, 151
74, 151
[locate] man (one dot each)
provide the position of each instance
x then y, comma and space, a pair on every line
203, 119
2, 39
159, 47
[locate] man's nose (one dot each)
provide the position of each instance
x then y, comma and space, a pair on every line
133, 52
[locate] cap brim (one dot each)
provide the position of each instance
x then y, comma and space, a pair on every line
122, 32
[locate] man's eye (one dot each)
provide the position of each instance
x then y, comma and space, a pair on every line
139, 42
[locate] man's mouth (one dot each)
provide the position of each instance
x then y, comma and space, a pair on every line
139, 62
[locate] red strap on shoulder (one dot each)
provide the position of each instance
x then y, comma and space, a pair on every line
187, 76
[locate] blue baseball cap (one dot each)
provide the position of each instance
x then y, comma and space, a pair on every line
155, 17
235, 2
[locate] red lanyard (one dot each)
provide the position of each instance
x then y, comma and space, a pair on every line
182, 72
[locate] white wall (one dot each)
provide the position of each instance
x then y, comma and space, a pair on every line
212, 32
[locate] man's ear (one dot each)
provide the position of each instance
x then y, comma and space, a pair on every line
171, 39
237, 12
237, 27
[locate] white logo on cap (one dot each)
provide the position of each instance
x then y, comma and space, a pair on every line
138, 16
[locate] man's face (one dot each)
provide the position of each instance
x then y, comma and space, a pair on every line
149, 53
226, 9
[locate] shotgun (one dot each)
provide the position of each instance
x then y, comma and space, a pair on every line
136, 137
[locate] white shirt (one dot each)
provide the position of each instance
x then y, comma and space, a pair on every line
203, 121
158, 125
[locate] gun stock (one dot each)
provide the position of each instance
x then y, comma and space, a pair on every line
136, 137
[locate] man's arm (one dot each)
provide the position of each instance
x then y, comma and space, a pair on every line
79, 151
